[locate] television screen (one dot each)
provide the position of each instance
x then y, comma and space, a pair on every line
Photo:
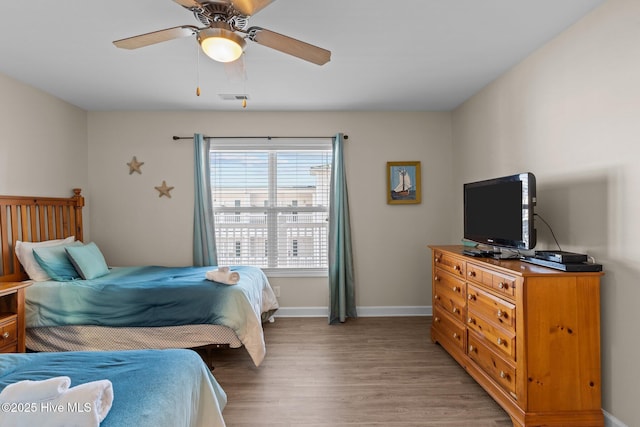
499, 211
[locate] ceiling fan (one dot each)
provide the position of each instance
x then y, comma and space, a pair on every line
220, 39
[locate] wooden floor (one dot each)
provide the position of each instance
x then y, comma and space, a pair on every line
365, 372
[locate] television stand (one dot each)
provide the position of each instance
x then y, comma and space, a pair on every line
480, 253
503, 255
486, 253
529, 335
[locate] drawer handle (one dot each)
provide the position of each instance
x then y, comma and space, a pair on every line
455, 309
501, 285
471, 320
471, 274
455, 335
436, 296
436, 259
504, 375
457, 267
455, 289
436, 319
500, 341
5, 335
500, 314
436, 278
471, 349
471, 297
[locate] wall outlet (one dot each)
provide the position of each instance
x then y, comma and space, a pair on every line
276, 290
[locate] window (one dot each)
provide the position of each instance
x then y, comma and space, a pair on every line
271, 204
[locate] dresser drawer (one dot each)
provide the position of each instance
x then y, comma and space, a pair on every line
450, 294
492, 363
452, 264
501, 283
495, 310
453, 331
499, 338
8, 331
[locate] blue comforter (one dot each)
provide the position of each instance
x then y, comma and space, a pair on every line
151, 388
153, 296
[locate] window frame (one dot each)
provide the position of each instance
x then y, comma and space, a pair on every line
288, 144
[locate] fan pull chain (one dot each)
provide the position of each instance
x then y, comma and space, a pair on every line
197, 70
244, 84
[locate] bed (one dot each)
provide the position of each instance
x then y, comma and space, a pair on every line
151, 388
79, 314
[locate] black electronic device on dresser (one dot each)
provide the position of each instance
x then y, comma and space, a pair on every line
561, 256
561, 260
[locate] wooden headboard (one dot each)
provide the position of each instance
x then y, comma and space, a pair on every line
35, 219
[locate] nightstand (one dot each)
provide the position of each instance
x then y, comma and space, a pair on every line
12, 321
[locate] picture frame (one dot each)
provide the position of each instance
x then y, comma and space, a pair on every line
404, 182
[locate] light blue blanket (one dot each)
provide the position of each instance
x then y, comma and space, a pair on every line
151, 388
154, 296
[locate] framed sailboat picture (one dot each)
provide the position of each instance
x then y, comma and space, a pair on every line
403, 183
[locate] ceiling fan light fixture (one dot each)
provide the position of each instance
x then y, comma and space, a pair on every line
220, 43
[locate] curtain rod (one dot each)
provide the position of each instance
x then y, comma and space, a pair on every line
175, 138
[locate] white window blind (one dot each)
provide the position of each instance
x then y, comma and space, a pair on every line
271, 204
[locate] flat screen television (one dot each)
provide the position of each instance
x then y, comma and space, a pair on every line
499, 211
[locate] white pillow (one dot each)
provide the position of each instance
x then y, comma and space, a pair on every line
24, 252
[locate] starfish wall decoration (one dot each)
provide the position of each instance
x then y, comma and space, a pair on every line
134, 166
164, 189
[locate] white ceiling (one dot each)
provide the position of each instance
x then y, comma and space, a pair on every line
406, 55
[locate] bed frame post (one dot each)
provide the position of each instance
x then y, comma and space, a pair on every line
78, 209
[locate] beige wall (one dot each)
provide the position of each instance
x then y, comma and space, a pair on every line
134, 226
570, 113
43, 142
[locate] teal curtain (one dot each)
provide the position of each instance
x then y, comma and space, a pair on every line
204, 238
342, 296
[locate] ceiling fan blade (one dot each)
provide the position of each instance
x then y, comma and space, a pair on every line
249, 7
289, 45
160, 36
189, 4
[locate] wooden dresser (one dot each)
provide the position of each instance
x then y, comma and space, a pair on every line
529, 335
12, 321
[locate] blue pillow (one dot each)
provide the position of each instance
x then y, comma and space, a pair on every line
88, 260
55, 262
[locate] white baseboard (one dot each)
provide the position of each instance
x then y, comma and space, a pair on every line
383, 311
302, 312
394, 311
611, 421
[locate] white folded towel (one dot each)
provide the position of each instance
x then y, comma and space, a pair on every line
95, 398
223, 275
35, 391
85, 405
